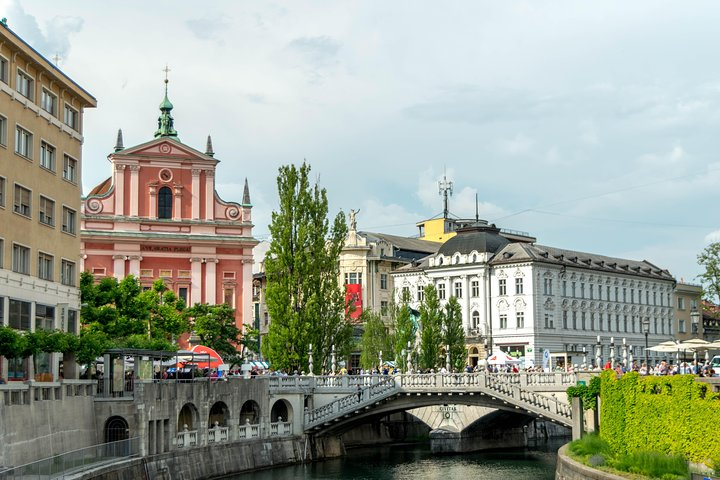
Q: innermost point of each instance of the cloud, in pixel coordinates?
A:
(674, 157)
(713, 237)
(208, 28)
(315, 55)
(55, 40)
(518, 145)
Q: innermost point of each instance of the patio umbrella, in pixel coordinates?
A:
(694, 344)
(668, 346)
(500, 358)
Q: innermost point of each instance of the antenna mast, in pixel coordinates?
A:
(445, 187)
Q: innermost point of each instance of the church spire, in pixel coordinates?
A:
(165, 120)
(119, 142)
(208, 148)
(246, 194)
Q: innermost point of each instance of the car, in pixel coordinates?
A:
(715, 362)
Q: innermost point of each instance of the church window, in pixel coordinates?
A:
(165, 203)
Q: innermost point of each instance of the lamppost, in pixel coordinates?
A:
(646, 329)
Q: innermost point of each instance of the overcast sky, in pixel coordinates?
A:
(592, 125)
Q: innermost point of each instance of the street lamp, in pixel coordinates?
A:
(695, 320)
(646, 329)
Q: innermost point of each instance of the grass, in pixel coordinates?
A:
(595, 452)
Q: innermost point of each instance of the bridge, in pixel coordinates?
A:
(341, 402)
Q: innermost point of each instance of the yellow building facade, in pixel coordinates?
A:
(41, 111)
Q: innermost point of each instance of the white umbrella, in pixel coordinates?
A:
(668, 346)
(500, 358)
(694, 344)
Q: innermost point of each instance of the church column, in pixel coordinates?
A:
(196, 193)
(134, 189)
(465, 304)
(210, 281)
(209, 194)
(152, 207)
(485, 298)
(196, 281)
(135, 265)
(119, 189)
(177, 202)
(119, 266)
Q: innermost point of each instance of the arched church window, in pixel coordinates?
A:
(165, 203)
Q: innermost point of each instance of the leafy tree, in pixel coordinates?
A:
(215, 325)
(454, 334)
(404, 329)
(431, 320)
(304, 300)
(166, 317)
(710, 260)
(374, 340)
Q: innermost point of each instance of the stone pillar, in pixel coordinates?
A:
(209, 194)
(135, 265)
(119, 266)
(578, 421)
(210, 281)
(196, 281)
(196, 193)
(177, 201)
(152, 206)
(119, 183)
(246, 293)
(134, 189)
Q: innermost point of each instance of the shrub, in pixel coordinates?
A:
(653, 465)
(590, 444)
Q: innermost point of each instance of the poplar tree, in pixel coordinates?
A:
(304, 299)
(454, 334)
(431, 320)
(374, 340)
(709, 258)
(404, 329)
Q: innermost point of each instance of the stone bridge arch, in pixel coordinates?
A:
(219, 414)
(281, 409)
(250, 413)
(188, 418)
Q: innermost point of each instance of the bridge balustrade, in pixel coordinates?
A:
(280, 429)
(248, 431)
(218, 434)
(187, 438)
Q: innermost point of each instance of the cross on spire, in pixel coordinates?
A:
(166, 70)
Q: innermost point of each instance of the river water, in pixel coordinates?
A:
(413, 462)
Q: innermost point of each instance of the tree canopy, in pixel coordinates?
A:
(431, 320)
(454, 334)
(375, 339)
(404, 328)
(709, 258)
(304, 300)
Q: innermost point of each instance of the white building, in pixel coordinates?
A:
(525, 297)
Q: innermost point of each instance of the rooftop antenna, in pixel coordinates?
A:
(445, 187)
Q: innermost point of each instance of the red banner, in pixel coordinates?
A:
(353, 296)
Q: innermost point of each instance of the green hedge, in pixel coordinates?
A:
(673, 415)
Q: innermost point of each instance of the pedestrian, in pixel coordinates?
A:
(359, 393)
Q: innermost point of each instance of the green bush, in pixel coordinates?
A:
(587, 393)
(589, 444)
(672, 414)
(653, 465)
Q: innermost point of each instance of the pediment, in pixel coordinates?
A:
(166, 148)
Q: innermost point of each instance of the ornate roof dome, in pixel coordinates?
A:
(479, 238)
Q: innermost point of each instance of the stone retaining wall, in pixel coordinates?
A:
(569, 469)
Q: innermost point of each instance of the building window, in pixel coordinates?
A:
(599, 292)
(503, 321)
(624, 295)
(146, 272)
(23, 142)
(582, 290)
(72, 321)
(600, 321)
(165, 203)
(165, 273)
(71, 117)
(421, 293)
(183, 293)
(475, 320)
(574, 320)
(441, 291)
(24, 84)
(681, 303)
(19, 314)
(564, 288)
(573, 289)
(3, 70)
(458, 289)
(2, 265)
(591, 289)
(565, 319)
(549, 321)
(67, 273)
(547, 286)
(405, 292)
(617, 324)
(632, 295)
(383, 307)
(70, 169)
(520, 318)
(21, 259)
(47, 156)
(229, 297)
(383, 281)
(694, 304)
(502, 287)
(47, 211)
(44, 317)
(592, 320)
(518, 286)
(69, 220)
(475, 288)
(582, 319)
(48, 102)
(3, 130)
(2, 191)
(22, 201)
(353, 278)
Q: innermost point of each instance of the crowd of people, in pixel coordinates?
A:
(664, 368)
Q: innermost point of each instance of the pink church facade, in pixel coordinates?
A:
(159, 217)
